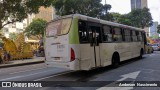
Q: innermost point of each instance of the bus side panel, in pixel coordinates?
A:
(106, 51)
(74, 44)
(86, 60)
(124, 50)
(75, 65)
(73, 34)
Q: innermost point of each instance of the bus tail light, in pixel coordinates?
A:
(72, 55)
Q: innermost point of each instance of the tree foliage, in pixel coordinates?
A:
(125, 19)
(93, 8)
(36, 27)
(16, 10)
(113, 16)
(138, 18)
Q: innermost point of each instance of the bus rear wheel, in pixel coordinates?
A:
(115, 61)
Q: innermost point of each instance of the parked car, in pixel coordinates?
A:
(156, 47)
(149, 48)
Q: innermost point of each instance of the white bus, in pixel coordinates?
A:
(79, 42)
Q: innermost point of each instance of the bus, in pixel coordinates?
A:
(78, 42)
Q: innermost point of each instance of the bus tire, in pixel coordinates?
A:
(141, 54)
(115, 60)
(152, 51)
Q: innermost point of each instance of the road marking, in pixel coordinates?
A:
(45, 88)
(54, 75)
(23, 76)
(27, 70)
(116, 88)
(132, 75)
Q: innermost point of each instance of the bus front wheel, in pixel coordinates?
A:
(141, 54)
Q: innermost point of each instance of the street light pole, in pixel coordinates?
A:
(105, 2)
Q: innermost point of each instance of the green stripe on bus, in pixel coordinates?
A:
(73, 34)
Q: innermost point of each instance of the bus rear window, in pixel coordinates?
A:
(58, 27)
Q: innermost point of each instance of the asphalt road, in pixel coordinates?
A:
(146, 69)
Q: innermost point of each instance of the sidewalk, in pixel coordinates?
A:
(12, 63)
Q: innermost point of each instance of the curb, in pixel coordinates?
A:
(21, 64)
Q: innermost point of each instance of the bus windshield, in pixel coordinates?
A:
(59, 27)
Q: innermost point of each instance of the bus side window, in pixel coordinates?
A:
(127, 35)
(123, 35)
(117, 34)
(107, 34)
(134, 36)
(139, 36)
(83, 35)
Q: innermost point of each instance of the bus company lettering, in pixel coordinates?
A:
(60, 46)
(14, 84)
(34, 85)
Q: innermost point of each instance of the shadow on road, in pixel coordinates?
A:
(84, 76)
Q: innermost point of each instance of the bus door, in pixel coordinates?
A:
(94, 39)
(89, 36)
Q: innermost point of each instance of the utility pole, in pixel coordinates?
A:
(105, 2)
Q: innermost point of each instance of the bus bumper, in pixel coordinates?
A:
(68, 65)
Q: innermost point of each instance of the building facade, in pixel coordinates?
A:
(138, 4)
(153, 31)
(46, 13)
(16, 27)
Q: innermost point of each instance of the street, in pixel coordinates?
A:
(146, 69)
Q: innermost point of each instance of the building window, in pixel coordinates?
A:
(5, 30)
(24, 25)
(14, 25)
(19, 30)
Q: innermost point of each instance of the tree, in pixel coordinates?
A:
(16, 10)
(111, 17)
(115, 16)
(138, 18)
(93, 8)
(36, 27)
(13, 36)
(141, 18)
(125, 19)
(158, 27)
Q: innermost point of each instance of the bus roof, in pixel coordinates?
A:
(87, 18)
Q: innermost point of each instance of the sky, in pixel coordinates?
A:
(124, 6)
